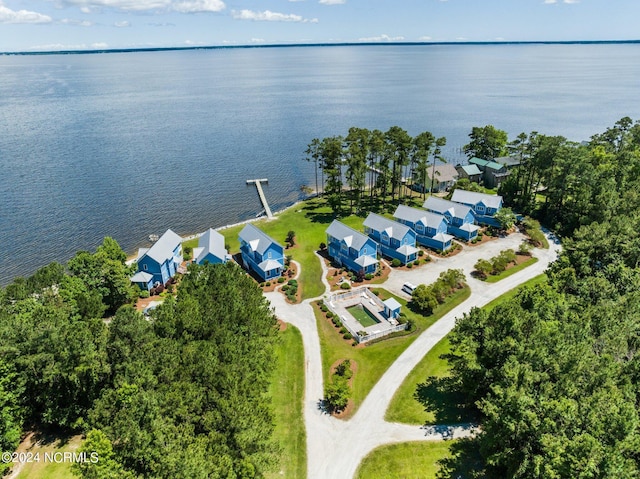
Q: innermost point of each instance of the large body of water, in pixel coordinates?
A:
(130, 144)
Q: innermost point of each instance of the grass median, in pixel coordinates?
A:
(374, 359)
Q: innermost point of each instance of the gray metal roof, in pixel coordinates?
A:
(415, 215)
(471, 169)
(162, 249)
(473, 198)
(141, 277)
(443, 173)
(438, 205)
(211, 242)
(257, 239)
(351, 237)
(392, 304)
(380, 223)
(508, 161)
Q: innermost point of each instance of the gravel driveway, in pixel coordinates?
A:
(335, 447)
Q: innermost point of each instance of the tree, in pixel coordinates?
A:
(487, 142)
(100, 462)
(313, 154)
(483, 267)
(424, 299)
(422, 147)
(331, 153)
(357, 152)
(336, 394)
(290, 240)
(437, 156)
(506, 217)
(399, 147)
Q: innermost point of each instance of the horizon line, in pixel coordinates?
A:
(322, 44)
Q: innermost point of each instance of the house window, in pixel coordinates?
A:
(144, 267)
(269, 254)
(420, 228)
(480, 208)
(364, 251)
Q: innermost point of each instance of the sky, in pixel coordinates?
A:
(50, 25)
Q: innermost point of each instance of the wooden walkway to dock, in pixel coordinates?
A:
(263, 199)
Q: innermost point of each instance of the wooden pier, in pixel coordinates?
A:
(258, 182)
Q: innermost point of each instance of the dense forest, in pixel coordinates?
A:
(182, 395)
(554, 374)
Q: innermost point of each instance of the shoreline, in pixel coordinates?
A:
(131, 258)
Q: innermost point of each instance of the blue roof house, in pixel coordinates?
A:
(161, 261)
(484, 206)
(460, 218)
(352, 249)
(261, 253)
(210, 248)
(396, 240)
(430, 228)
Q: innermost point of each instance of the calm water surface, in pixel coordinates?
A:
(130, 144)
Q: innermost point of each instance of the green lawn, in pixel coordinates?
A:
(51, 469)
(373, 360)
(308, 220)
(361, 316)
(407, 403)
(407, 460)
(506, 273)
(287, 391)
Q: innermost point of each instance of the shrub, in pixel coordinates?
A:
(411, 325)
(336, 394)
(354, 278)
(420, 253)
(336, 321)
(144, 293)
(524, 248)
(324, 308)
(396, 262)
(323, 246)
(345, 286)
(329, 314)
(368, 276)
(409, 265)
(267, 284)
(281, 280)
(292, 282)
(344, 369)
(376, 292)
(262, 284)
(343, 330)
(159, 289)
(320, 303)
(347, 336)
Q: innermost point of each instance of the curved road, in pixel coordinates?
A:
(335, 447)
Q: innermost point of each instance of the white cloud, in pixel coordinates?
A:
(196, 6)
(551, 2)
(78, 23)
(257, 40)
(382, 38)
(21, 16)
(123, 24)
(332, 2)
(182, 6)
(269, 16)
(63, 47)
(425, 38)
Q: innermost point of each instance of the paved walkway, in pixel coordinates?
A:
(335, 448)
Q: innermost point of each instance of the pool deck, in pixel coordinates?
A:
(340, 302)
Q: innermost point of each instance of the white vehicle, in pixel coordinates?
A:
(408, 288)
